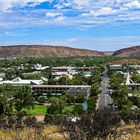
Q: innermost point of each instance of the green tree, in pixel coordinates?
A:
(120, 97)
(51, 81)
(6, 97)
(57, 105)
(115, 83)
(64, 80)
(78, 79)
(135, 77)
(95, 89)
(81, 98)
(78, 109)
(92, 104)
(23, 98)
(71, 99)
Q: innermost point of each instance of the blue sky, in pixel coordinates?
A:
(90, 24)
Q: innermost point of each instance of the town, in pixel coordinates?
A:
(67, 87)
(97, 86)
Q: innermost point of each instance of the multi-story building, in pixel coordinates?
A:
(74, 90)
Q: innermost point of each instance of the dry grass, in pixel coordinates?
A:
(52, 133)
(129, 132)
(47, 133)
(136, 137)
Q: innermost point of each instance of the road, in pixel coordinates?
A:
(104, 98)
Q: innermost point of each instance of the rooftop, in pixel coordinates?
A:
(78, 90)
(65, 86)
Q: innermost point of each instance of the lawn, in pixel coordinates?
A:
(69, 108)
(37, 110)
(41, 110)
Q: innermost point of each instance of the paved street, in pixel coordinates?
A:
(104, 98)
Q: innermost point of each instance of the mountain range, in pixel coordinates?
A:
(61, 51)
(45, 50)
(127, 52)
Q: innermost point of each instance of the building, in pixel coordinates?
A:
(116, 67)
(59, 71)
(130, 84)
(2, 76)
(38, 89)
(74, 91)
(136, 67)
(40, 67)
(46, 90)
(19, 81)
(29, 74)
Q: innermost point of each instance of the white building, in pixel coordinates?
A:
(116, 67)
(67, 70)
(19, 81)
(40, 67)
(136, 67)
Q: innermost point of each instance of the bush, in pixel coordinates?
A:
(78, 109)
(92, 103)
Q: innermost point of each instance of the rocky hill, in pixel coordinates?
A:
(45, 50)
(127, 52)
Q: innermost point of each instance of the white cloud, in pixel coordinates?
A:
(81, 3)
(78, 13)
(55, 17)
(106, 11)
(133, 4)
(13, 34)
(8, 4)
(72, 40)
(60, 18)
(52, 14)
(102, 12)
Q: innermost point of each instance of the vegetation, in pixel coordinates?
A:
(128, 105)
(57, 105)
(66, 113)
(14, 99)
(36, 110)
(50, 132)
(135, 77)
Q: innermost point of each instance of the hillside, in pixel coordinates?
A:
(125, 61)
(45, 50)
(127, 52)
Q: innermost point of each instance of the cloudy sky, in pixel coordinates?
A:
(90, 24)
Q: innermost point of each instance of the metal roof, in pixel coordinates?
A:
(78, 90)
(61, 86)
